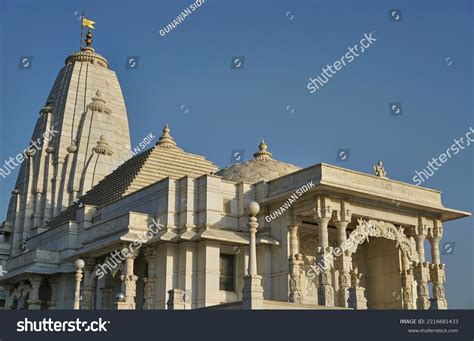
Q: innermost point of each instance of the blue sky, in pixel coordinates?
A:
(423, 62)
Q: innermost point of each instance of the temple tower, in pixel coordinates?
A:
(81, 131)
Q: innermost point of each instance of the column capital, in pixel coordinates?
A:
(322, 210)
(341, 223)
(150, 254)
(132, 254)
(343, 216)
(35, 280)
(89, 263)
(294, 221)
(421, 229)
(437, 231)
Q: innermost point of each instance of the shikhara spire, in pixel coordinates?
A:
(87, 109)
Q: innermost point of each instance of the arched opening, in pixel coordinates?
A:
(380, 262)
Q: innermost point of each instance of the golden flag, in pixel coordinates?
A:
(88, 23)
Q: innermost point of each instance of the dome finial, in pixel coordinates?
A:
(166, 140)
(88, 39)
(263, 153)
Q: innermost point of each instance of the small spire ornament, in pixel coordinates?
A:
(263, 153)
(166, 140)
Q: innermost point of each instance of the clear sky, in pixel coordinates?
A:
(423, 61)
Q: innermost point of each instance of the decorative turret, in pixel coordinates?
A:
(102, 147)
(98, 103)
(166, 140)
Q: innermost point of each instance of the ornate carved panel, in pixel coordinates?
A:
(374, 228)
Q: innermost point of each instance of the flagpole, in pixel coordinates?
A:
(82, 29)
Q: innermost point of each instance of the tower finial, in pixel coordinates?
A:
(88, 38)
(90, 26)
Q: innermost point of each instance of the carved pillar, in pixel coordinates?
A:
(437, 269)
(34, 303)
(295, 261)
(252, 293)
(79, 264)
(150, 257)
(434, 236)
(53, 283)
(422, 272)
(322, 215)
(343, 262)
(437, 273)
(129, 283)
(357, 298)
(420, 232)
(406, 275)
(88, 290)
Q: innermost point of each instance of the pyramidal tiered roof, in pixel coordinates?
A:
(163, 160)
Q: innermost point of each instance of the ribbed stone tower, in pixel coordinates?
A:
(86, 121)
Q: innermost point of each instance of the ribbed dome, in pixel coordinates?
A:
(261, 168)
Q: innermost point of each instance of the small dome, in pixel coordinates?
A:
(261, 168)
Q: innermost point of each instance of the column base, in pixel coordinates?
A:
(252, 293)
(438, 304)
(34, 304)
(176, 299)
(357, 298)
(124, 306)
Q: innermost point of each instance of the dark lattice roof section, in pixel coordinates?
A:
(165, 159)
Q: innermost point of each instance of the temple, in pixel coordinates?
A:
(168, 229)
